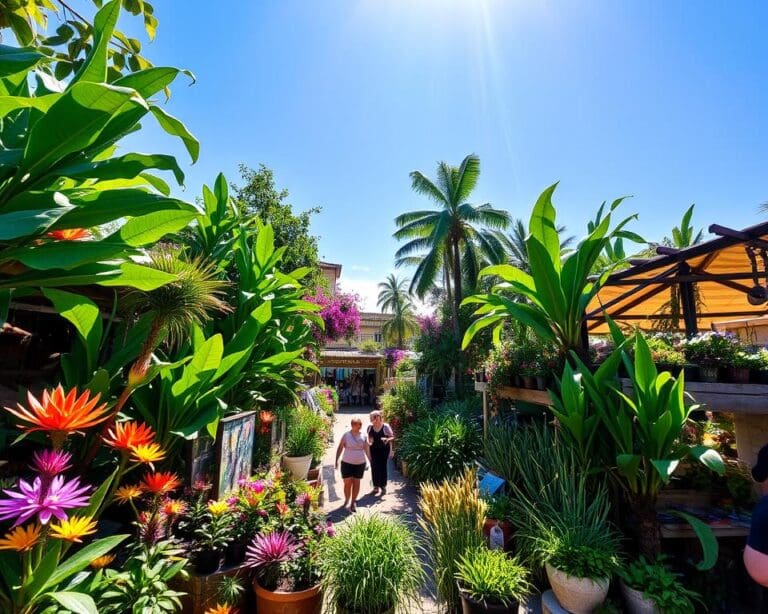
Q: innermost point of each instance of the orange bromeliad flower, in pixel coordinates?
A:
(70, 234)
(222, 608)
(102, 561)
(124, 494)
(21, 539)
(126, 435)
(171, 507)
(147, 453)
(160, 483)
(74, 528)
(60, 414)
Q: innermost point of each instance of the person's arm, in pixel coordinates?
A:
(390, 440)
(339, 450)
(368, 452)
(370, 437)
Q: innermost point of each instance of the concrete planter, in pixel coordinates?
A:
(636, 603)
(577, 595)
(298, 466)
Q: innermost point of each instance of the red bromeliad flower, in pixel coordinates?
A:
(50, 463)
(161, 482)
(70, 234)
(60, 414)
(125, 436)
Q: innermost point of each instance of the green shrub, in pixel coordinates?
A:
(500, 508)
(439, 447)
(371, 565)
(469, 409)
(566, 553)
(451, 517)
(307, 434)
(491, 577)
(370, 346)
(660, 585)
(406, 365)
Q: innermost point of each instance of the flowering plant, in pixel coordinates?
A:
(393, 357)
(340, 314)
(711, 348)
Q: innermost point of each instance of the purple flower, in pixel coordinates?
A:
(45, 502)
(330, 531)
(302, 499)
(270, 549)
(340, 314)
(51, 462)
(257, 486)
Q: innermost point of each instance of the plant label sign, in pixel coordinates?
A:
(491, 484)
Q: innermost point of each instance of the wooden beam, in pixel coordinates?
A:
(664, 250)
(640, 285)
(739, 235)
(688, 301)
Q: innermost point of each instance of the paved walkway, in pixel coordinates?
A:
(401, 498)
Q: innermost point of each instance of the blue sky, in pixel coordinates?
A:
(664, 101)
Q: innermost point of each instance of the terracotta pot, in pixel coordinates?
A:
(577, 595)
(309, 601)
(738, 375)
(470, 606)
(298, 466)
(709, 373)
(635, 601)
(342, 610)
(506, 529)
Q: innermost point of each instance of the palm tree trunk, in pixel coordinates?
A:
(456, 287)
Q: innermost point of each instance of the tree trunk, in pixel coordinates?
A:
(648, 528)
(457, 297)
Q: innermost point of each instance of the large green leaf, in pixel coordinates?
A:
(151, 227)
(9, 104)
(72, 123)
(134, 275)
(14, 60)
(77, 603)
(66, 254)
(175, 127)
(709, 545)
(84, 315)
(82, 558)
(709, 458)
(149, 81)
(19, 224)
(94, 67)
(542, 225)
(123, 167)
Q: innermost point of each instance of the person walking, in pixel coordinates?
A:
(381, 441)
(353, 450)
(756, 550)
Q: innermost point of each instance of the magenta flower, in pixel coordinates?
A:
(45, 502)
(271, 549)
(50, 463)
(330, 531)
(302, 499)
(340, 314)
(257, 486)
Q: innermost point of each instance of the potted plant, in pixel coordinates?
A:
(710, 351)
(665, 356)
(739, 366)
(651, 588)
(497, 526)
(760, 367)
(303, 443)
(212, 538)
(580, 574)
(371, 567)
(491, 582)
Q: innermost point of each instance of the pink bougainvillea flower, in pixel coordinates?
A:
(271, 548)
(50, 463)
(35, 499)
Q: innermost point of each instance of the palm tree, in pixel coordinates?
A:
(394, 298)
(455, 228)
(516, 252)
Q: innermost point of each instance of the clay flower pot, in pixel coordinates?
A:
(309, 601)
(635, 601)
(470, 606)
(577, 595)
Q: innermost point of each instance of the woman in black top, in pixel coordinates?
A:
(381, 442)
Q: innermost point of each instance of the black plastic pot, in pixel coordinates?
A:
(234, 554)
(761, 377)
(207, 562)
(691, 373)
(470, 606)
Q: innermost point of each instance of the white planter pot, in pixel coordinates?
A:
(577, 595)
(298, 466)
(636, 602)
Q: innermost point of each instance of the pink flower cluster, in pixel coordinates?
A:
(341, 316)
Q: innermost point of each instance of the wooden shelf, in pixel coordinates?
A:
(686, 532)
(540, 397)
(737, 398)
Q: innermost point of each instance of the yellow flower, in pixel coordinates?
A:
(217, 508)
(102, 561)
(124, 494)
(171, 507)
(21, 539)
(220, 608)
(74, 528)
(147, 453)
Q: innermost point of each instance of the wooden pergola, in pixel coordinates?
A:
(726, 277)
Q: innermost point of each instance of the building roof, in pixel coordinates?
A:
(723, 270)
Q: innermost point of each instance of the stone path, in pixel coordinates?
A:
(401, 498)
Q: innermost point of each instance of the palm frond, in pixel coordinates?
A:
(421, 184)
(467, 176)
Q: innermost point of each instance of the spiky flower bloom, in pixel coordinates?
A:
(102, 561)
(222, 608)
(147, 453)
(217, 508)
(125, 494)
(59, 413)
(151, 528)
(271, 549)
(125, 436)
(21, 539)
(74, 528)
(70, 234)
(50, 463)
(160, 483)
(36, 499)
(172, 507)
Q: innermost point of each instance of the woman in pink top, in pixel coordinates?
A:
(354, 452)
